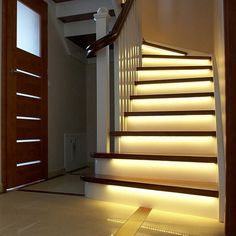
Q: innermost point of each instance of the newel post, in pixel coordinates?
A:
(103, 85)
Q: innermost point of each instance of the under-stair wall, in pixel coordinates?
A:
(67, 86)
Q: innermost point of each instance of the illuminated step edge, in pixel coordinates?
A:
(176, 88)
(119, 181)
(127, 156)
(155, 60)
(186, 57)
(173, 104)
(154, 68)
(168, 74)
(170, 113)
(196, 205)
(149, 48)
(173, 95)
(158, 51)
(168, 145)
(177, 80)
(163, 133)
(185, 174)
(171, 123)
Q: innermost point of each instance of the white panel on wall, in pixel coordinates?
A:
(74, 151)
(28, 29)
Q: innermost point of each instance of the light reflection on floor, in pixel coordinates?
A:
(27, 213)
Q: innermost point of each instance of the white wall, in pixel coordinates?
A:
(91, 108)
(67, 95)
(181, 23)
(220, 56)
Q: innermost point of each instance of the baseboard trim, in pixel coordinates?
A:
(56, 173)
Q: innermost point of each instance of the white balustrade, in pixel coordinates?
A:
(127, 57)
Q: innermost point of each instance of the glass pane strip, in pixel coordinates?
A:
(28, 29)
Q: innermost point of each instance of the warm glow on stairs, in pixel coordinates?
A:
(166, 156)
(175, 62)
(171, 74)
(170, 104)
(169, 88)
(171, 123)
(146, 49)
(168, 145)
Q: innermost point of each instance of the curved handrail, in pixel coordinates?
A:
(113, 35)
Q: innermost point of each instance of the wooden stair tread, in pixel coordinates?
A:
(177, 186)
(162, 133)
(175, 57)
(174, 80)
(171, 95)
(148, 68)
(170, 113)
(81, 17)
(204, 159)
(163, 47)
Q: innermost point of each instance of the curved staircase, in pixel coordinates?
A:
(167, 155)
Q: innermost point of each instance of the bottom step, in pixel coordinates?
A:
(164, 198)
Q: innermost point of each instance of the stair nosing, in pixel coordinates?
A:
(176, 57)
(148, 68)
(163, 133)
(150, 186)
(178, 95)
(169, 113)
(185, 80)
(118, 156)
(164, 47)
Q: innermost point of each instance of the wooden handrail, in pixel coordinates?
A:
(113, 35)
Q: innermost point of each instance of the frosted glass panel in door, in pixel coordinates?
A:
(28, 29)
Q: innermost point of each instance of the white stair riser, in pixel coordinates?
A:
(171, 123)
(158, 51)
(175, 62)
(173, 104)
(173, 74)
(187, 171)
(163, 201)
(168, 145)
(169, 88)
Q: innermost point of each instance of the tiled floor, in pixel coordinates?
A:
(43, 214)
(39, 214)
(70, 184)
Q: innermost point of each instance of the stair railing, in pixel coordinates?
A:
(126, 36)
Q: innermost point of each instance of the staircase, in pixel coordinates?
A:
(77, 19)
(167, 154)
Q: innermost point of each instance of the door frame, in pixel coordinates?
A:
(4, 97)
(230, 70)
(4, 91)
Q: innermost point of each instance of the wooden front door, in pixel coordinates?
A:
(25, 80)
